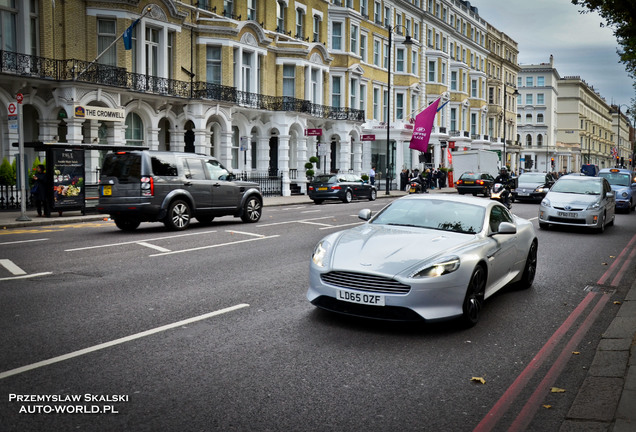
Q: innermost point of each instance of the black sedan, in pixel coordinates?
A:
(533, 186)
(342, 187)
(475, 183)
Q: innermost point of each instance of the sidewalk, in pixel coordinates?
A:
(605, 402)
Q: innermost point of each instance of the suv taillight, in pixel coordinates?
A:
(147, 186)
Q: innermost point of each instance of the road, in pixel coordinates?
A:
(209, 329)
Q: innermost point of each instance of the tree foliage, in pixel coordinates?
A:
(620, 16)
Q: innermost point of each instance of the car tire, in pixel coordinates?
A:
(601, 228)
(474, 299)
(373, 195)
(544, 226)
(179, 215)
(348, 197)
(318, 202)
(530, 269)
(487, 192)
(126, 224)
(252, 210)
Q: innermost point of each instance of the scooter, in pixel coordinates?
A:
(500, 192)
(415, 187)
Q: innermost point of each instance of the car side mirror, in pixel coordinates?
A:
(365, 214)
(507, 228)
(610, 194)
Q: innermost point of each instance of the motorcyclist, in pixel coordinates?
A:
(421, 179)
(504, 179)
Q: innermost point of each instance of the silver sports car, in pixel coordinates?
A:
(423, 258)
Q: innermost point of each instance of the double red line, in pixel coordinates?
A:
(530, 408)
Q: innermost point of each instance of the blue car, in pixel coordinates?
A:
(623, 184)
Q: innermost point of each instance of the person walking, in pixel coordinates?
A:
(372, 175)
(39, 192)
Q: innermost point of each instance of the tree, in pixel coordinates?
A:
(620, 15)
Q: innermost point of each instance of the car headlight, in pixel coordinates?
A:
(594, 206)
(438, 268)
(624, 194)
(545, 202)
(539, 190)
(320, 253)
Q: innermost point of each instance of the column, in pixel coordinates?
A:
(283, 162)
(262, 155)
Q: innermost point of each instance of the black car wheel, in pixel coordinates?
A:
(179, 215)
(318, 202)
(474, 300)
(126, 224)
(348, 197)
(601, 228)
(487, 192)
(252, 210)
(530, 270)
(373, 195)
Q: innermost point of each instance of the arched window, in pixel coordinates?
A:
(528, 118)
(539, 140)
(528, 140)
(539, 118)
(134, 130)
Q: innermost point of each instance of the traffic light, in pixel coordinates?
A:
(552, 162)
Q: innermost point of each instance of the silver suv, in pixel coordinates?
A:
(172, 187)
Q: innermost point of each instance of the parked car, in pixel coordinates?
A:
(581, 201)
(475, 183)
(623, 182)
(423, 257)
(342, 187)
(532, 186)
(172, 187)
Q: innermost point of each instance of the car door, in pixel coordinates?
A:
(360, 189)
(608, 200)
(196, 183)
(225, 193)
(503, 252)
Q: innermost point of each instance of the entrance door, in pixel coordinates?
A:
(273, 156)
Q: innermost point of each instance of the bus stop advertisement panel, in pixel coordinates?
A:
(65, 172)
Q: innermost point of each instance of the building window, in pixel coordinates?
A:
(353, 93)
(491, 95)
(336, 92)
(399, 106)
(431, 71)
(443, 69)
(228, 8)
(289, 80)
(354, 39)
(363, 47)
(8, 27)
(315, 94)
(453, 119)
(363, 98)
(364, 11)
(540, 81)
(377, 18)
(386, 56)
(376, 104)
(399, 60)
(106, 34)
(528, 140)
(134, 130)
(540, 99)
(213, 65)
(300, 23)
(473, 88)
(280, 16)
(251, 10)
(414, 67)
(317, 21)
(528, 118)
(387, 16)
(473, 124)
(529, 82)
(539, 118)
(453, 83)
(529, 99)
(376, 52)
(539, 141)
(171, 43)
(152, 51)
(429, 38)
(336, 36)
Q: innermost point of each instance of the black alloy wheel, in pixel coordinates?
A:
(474, 300)
(252, 210)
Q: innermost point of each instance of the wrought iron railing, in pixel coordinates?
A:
(95, 73)
(271, 183)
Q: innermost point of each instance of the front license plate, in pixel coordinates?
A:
(323, 188)
(522, 194)
(567, 214)
(107, 190)
(361, 298)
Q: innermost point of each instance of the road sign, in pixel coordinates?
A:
(12, 109)
(19, 98)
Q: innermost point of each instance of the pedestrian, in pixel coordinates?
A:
(404, 178)
(372, 175)
(39, 192)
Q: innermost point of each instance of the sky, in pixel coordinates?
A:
(580, 46)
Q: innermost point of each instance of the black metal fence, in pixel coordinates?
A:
(10, 198)
(271, 184)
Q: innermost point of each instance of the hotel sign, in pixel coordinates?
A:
(367, 138)
(99, 113)
(313, 132)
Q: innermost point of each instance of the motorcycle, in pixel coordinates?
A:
(501, 193)
(415, 187)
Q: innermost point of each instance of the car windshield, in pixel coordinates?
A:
(532, 178)
(618, 179)
(326, 179)
(577, 186)
(435, 214)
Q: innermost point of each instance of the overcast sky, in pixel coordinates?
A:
(579, 45)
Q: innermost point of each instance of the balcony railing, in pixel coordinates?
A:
(24, 65)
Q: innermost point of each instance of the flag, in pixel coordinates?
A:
(423, 126)
(128, 35)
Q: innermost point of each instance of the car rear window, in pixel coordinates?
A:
(470, 176)
(326, 179)
(126, 167)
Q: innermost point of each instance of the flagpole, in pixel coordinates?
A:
(148, 9)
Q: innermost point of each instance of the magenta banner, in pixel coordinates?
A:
(367, 138)
(422, 128)
(313, 132)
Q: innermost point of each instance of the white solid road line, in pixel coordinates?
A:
(137, 241)
(26, 276)
(14, 269)
(22, 241)
(212, 246)
(118, 341)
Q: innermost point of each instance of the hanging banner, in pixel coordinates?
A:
(423, 127)
(450, 156)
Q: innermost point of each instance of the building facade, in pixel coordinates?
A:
(262, 85)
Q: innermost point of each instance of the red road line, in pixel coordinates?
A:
(502, 405)
(623, 269)
(532, 405)
(615, 263)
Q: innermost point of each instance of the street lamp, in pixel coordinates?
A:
(618, 144)
(407, 41)
(515, 94)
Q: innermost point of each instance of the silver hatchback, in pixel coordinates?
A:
(579, 201)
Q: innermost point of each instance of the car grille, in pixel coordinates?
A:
(365, 282)
(567, 220)
(572, 209)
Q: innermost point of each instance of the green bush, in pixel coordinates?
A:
(7, 173)
(314, 159)
(309, 173)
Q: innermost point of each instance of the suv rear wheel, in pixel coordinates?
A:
(126, 224)
(179, 215)
(252, 210)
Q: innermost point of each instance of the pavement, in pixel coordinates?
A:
(606, 401)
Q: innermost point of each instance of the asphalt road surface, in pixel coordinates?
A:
(210, 329)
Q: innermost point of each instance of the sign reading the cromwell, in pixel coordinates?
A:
(99, 113)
